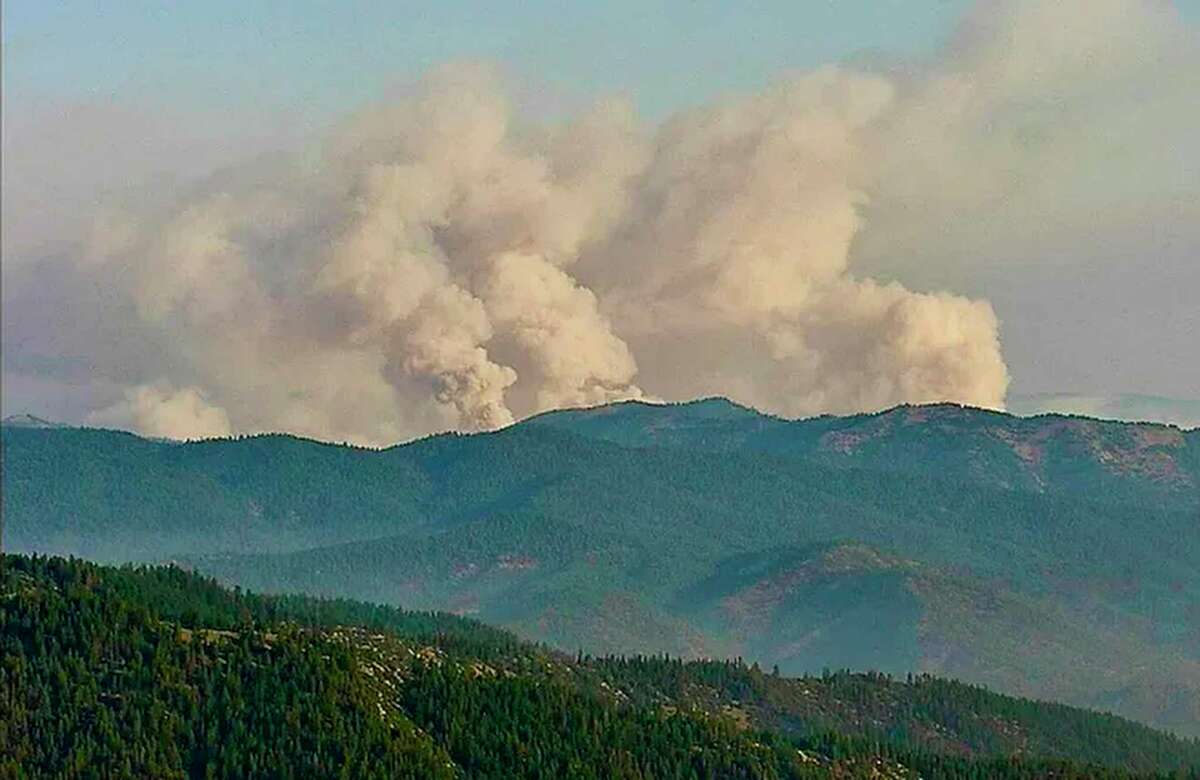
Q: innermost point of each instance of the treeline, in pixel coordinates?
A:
(193, 600)
(919, 711)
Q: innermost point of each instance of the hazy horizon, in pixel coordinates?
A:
(1180, 413)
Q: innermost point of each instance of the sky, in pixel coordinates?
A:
(985, 198)
(321, 58)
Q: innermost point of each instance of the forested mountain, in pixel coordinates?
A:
(1056, 557)
(1069, 455)
(158, 672)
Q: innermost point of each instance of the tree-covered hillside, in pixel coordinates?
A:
(1050, 453)
(157, 672)
(1052, 557)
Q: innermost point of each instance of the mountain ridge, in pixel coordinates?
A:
(28, 421)
(714, 402)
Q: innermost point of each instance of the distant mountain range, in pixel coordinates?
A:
(1055, 556)
(1131, 407)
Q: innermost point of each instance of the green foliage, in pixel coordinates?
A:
(924, 712)
(157, 672)
(95, 684)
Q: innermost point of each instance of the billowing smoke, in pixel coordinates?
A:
(166, 412)
(440, 262)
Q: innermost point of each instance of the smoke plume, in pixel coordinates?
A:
(166, 412)
(441, 262)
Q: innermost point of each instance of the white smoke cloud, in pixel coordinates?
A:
(160, 410)
(443, 341)
(568, 346)
(1067, 110)
(439, 262)
(733, 267)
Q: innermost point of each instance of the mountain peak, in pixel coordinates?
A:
(26, 420)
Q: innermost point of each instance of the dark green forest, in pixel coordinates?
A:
(159, 672)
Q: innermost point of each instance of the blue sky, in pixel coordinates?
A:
(319, 58)
(315, 59)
